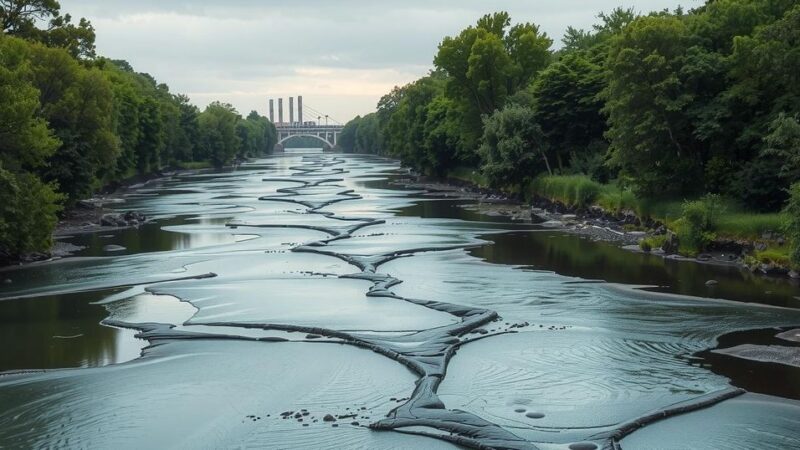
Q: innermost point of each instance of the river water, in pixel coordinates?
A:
(261, 300)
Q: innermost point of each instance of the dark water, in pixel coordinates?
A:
(262, 290)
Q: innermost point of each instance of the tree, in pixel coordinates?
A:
(486, 63)
(442, 140)
(25, 140)
(28, 214)
(513, 147)
(21, 17)
(567, 105)
(218, 139)
(650, 135)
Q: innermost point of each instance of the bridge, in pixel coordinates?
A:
(327, 134)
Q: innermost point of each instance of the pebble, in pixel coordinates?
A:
(712, 283)
(329, 418)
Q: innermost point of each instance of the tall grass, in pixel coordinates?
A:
(572, 190)
(581, 191)
(749, 225)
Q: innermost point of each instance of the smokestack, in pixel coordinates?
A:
(280, 110)
(300, 109)
(291, 110)
(272, 110)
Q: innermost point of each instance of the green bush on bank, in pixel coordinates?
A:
(28, 213)
(698, 223)
(652, 242)
(792, 227)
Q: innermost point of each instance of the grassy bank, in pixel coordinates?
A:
(580, 191)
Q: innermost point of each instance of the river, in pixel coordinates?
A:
(305, 301)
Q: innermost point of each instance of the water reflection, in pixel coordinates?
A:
(177, 233)
(577, 256)
(62, 331)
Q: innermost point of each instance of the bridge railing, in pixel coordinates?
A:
(287, 126)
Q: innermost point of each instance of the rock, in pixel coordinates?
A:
(329, 418)
(671, 244)
(637, 233)
(704, 257)
(794, 274)
(539, 215)
(760, 246)
(772, 269)
(661, 230)
(113, 248)
(712, 283)
(7, 281)
(569, 217)
(583, 446)
(85, 204)
(553, 224)
(109, 220)
(780, 241)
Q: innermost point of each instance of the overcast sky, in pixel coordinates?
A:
(340, 55)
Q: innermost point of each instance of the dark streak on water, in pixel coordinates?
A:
(61, 328)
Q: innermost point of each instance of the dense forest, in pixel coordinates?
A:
(700, 104)
(72, 122)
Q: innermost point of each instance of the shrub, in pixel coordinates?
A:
(698, 223)
(792, 211)
(651, 242)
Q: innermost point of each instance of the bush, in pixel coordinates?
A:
(698, 223)
(792, 211)
(28, 211)
(649, 243)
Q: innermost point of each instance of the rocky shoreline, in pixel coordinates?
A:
(624, 228)
(91, 215)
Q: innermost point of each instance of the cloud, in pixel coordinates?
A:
(340, 55)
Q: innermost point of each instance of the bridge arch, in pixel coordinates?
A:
(319, 138)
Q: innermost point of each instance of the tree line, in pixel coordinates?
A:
(72, 122)
(671, 104)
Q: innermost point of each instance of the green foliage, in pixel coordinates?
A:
(25, 140)
(743, 225)
(778, 257)
(218, 138)
(792, 211)
(652, 242)
(256, 135)
(567, 107)
(21, 18)
(70, 123)
(650, 134)
(513, 148)
(571, 190)
(699, 222)
(28, 211)
(486, 63)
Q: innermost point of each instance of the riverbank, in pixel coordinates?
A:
(99, 213)
(623, 227)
